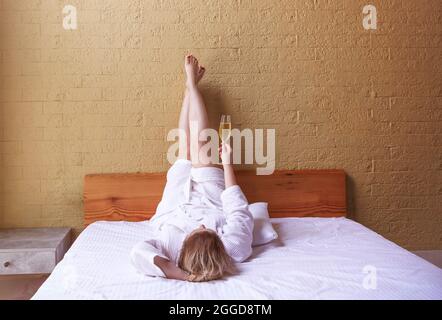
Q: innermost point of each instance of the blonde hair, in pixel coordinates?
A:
(204, 257)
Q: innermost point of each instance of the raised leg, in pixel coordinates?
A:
(197, 112)
(183, 123)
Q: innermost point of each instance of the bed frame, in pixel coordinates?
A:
(290, 193)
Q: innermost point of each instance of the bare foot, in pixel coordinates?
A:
(191, 68)
(200, 73)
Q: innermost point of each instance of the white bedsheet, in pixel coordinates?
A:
(314, 258)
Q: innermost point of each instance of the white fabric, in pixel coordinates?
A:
(263, 231)
(193, 197)
(142, 257)
(313, 258)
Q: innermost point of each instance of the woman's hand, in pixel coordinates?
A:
(225, 153)
(170, 270)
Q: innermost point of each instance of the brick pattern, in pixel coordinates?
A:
(102, 98)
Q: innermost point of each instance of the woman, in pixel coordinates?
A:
(202, 223)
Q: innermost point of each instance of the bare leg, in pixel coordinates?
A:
(183, 123)
(197, 112)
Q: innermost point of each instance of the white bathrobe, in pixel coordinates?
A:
(192, 197)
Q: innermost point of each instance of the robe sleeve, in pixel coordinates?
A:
(237, 233)
(142, 255)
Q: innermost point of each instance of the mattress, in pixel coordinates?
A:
(313, 258)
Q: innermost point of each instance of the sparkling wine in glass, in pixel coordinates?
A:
(225, 128)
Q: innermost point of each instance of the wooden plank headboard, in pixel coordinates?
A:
(290, 193)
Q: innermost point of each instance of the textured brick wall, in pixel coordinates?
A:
(101, 98)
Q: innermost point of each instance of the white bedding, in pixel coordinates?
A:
(314, 258)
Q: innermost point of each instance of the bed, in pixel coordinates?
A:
(320, 253)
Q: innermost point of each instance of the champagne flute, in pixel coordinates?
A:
(225, 128)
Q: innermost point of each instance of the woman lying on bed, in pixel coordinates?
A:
(202, 223)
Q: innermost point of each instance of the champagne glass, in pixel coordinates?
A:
(225, 128)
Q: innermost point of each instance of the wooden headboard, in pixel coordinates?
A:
(290, 193)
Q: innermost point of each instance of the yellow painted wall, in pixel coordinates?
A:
(101, 98)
